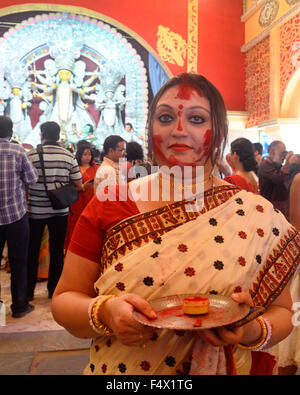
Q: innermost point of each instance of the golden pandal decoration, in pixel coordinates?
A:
(192, 54)
(171, 46)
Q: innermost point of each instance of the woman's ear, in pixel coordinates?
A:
(234, 158)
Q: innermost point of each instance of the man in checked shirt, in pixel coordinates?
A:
(16, 171)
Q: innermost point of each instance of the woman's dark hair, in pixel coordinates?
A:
(79, 153)
(134, 151)
(111, 142)
(244, 150)
(96, 152)
(217, 110)
(258, 147)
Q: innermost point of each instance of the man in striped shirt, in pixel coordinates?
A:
(60, 168)
(16, 171)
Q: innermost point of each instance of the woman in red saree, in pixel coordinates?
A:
(88, 169)
(244, 162)
(140, 242)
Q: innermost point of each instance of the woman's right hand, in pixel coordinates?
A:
(116, 313)
(87, 185)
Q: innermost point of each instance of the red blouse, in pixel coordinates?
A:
(98, 217)
(240, 181)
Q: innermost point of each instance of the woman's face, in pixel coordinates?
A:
(86, 157)
(182, 128)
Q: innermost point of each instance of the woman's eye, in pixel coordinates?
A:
(165, 118)
(196, 119)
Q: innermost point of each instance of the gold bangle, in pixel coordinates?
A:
(263, 338)
(96, 324)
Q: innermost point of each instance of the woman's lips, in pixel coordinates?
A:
(180, 147)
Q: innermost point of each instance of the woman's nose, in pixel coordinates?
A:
(179, 127)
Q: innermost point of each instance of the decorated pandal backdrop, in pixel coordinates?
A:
(92, 66)
(76, 71)
(95, 66)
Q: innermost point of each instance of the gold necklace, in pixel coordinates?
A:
(183, 186)
(210, 205)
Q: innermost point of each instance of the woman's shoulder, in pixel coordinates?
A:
(110, 205)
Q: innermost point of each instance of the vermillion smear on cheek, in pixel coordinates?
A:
(207, 139)
(157, 141)
(205, 147)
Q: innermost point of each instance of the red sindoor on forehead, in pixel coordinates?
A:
(185, 90)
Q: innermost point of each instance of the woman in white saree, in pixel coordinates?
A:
(129, 248)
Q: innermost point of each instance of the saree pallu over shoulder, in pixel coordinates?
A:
(134, 232)
(277, 270)
(237, 242)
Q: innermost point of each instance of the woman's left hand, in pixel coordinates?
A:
(223, 336)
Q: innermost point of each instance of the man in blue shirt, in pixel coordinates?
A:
(16, 171)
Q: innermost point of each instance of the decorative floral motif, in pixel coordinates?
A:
(219, 265)
(213, 222)
(120, 286)
(170, 361)
(260, 232)
(148, 281)
(260, 208)
(122, 367)
(154, 337)
(242, 261)
(219, 239)
(119, 267)
(171, 46)
(182, 248)
(258, 259)
(242, 234)
(158, 240)
(239, 201)
(145, 365)
(97, 348)
(258, 83)
(240, 212)
(104, 368)
(155, 255)
(268, 12)
(189, 271)
(275, 231)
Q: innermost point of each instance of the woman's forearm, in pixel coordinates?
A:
(280, 319)
(70, 310)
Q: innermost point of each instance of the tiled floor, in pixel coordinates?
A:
(36, 344)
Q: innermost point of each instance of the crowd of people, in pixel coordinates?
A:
(116, 248)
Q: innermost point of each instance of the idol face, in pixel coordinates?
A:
(182, 128)
(64, 75)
